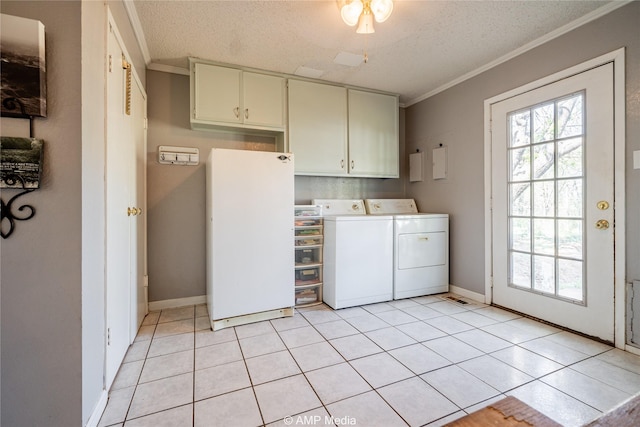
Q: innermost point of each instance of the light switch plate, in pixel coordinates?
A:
(636, 159)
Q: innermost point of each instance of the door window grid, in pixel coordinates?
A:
(546, 188)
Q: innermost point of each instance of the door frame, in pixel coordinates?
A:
(617, 57)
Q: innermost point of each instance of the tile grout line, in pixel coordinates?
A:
(326, 340)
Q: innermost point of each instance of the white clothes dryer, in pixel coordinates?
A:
(420, 247)
(358, 254)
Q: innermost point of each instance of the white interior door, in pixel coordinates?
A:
(552, 154)
(138, 138)
(118, 170)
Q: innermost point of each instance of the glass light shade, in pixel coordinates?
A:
(381, 9)
(350, 12)
(365, 24)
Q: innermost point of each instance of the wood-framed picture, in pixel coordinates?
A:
(23, 68)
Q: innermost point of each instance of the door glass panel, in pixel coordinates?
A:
(543, 123)
(520, 164)
(544, 274)
(544, 198)
(570, 116)
(520, 199)
(520, 127)
(544, 240)
(570, 198)
(521, 234)
(570, 238)
(546, 194)
(544, 160)
(520, 274)
(570, 158)
(570, 279)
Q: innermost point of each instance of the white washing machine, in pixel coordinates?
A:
(358, 254)
(420, 247)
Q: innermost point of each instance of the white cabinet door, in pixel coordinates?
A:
(217, 94)
(224, 97)
(263, 100)
(373, 134)
(318, 128)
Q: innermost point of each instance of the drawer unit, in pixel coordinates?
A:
(308, 244)
(308, 256)
(308, 295)
(308, 241)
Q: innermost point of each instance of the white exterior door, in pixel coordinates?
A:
(552, 156)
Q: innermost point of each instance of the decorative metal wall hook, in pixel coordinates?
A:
(11, 104)
(7, 210)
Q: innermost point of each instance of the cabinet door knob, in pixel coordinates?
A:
(236, 111)
(246, 113)
(342, 164)
(352, 165)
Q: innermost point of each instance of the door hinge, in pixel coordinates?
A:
(110, 63)
(108, 336)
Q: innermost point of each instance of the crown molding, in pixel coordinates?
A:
(137, 29)
(608, 8)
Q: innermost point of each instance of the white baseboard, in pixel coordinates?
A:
(94, 419)
(177, 302)
(466, 293)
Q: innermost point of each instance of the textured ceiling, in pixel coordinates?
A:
(422, 47)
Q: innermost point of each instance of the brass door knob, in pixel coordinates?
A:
(131, 211)
(603, 205)
(602, 224)
(138, 211)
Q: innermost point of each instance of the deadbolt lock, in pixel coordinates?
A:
(602, 224)
(603, 205)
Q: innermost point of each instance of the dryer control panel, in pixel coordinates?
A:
(391, 206)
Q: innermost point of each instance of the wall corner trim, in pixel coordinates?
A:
(94, 419)
(137, 29)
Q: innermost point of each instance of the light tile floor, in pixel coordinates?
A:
(419, 361)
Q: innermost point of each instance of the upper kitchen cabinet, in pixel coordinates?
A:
(223, 97)
(338, 132)
(318, 128)
(373, 135)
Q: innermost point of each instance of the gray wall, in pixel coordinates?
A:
(455, 118)
(176, 194)
(52, 268)
(41, 261)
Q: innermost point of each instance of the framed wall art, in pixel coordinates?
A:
(23, 70)
(20, 162)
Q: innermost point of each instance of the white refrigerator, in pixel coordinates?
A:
(250, 251)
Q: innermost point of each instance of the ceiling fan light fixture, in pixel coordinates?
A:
(381, 9)
(363, 12)
(365, 23)
(350, 11)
